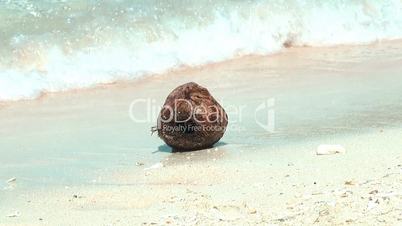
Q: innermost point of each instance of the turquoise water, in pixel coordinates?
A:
(59, 45)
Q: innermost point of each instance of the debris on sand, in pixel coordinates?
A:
(329, 149)
(252, 211)
(11, 180)
(350, 182)
(15, 214)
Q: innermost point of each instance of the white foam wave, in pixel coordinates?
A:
(258, 28)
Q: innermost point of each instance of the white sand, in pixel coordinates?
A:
(252, 178)
(291, 186)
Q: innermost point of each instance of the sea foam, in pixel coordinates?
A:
(59, 46)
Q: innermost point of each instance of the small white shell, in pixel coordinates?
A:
(155, 166)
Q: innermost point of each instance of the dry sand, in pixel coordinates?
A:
(360, 187)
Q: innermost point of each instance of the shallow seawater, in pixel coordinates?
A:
(320, 94)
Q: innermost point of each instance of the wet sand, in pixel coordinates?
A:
(78, 158)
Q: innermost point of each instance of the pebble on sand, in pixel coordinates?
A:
(11, 180)
(15, 214)
(253, 211)
(328, 149)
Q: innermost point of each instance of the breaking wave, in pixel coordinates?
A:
(59, 45)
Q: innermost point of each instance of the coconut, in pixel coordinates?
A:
(191, 119)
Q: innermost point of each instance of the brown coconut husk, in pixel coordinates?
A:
(191, 119)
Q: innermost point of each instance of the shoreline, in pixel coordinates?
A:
(78, 155)
(189, 69)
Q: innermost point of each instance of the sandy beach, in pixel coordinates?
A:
(78, 158)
